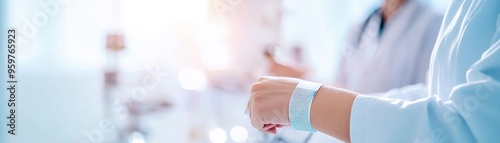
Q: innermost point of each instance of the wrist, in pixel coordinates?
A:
(300, 105)
(331, 111)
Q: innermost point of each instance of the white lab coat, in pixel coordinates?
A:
(401, 58)
(464, 87)
(397, 57)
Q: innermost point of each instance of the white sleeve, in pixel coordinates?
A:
(472, 113)
(409, 93)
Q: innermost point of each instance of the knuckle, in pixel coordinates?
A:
(263, 78)
(257, 86)
(254, 87)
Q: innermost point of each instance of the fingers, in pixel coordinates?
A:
(271, 128)
(271, 131)
(264, 112)
(279, 126)
(257, 125)
(268, 126)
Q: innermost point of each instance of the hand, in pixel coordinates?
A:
(330, 108)
(268, 104)
(288, 69)
(292, 70)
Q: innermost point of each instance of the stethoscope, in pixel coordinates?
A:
(365, 29)
(366, 44)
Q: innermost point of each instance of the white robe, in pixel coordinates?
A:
(464, 87)
(398, 57)
(403, 55)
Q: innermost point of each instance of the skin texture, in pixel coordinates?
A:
(289, 69)
(330, 109)
(390, 8)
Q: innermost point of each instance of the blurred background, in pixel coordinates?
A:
(151, 71)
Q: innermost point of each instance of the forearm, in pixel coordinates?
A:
(331, 112)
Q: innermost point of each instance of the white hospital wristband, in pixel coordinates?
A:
(300, 105)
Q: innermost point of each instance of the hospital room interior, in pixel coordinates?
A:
(180, 71)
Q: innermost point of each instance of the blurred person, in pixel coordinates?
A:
(462, 103)
(390, 49)
(393, 44)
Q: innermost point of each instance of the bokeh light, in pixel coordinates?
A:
(218, 135)
(136, 137)
(239, 134)
(192, 79)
